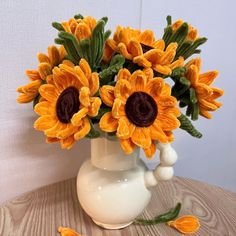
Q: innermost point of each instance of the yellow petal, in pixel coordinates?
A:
(155, 86)
(83, 129)
(194, 61)
(168, 122)
(95, 106)
(159, 44)
(207, 105)
(203, 91)
(141, 137)
(127, 145)
(125, 128)
(138, 81)
(177, 63)
(208, 77)
(167, 101)
(108, 123)
(85, 68)
(192, 75)
(53, 131)
(216, 93)
(107, 94)
(44, 108)
(45, 122)
(84, 96)
(52, 140)
(122, 89)
(135, 48)
(142, 61)
(123, 50)
(67, 143)
(67, 232)
(149, 73)
(150, 151)
(123, 74)
(94, 83)
(165, 70)
(54, 56)
(118, 108)
(33, 74)
(68, 131)
(153, 55)
(146, 37)
(25, 98)
(30, 88)
(82, 31)
(44, 70)
(205, 113)
(167, 57)
(49, 92)
(43, 58)
(186, 224)
(77, 117)
(157, 133)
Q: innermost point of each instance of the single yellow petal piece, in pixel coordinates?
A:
(85, 68)
(151, 150)
(94, 83)
(127, 145)
(33, 74)
(157, 133)
(68, 131)
(142, 61)
(123, 74)
(141, 137)
(54, 56)
(67, 232)
(67, 143)
(155, 86)
(135, 48)
(165, 70)
(83, 129)
(82, 31)
(45, 122)
(208, 77)
(95, 106)
(77, 117)
(138, 81)
(53, 131)
(122, 89)
(49, 92)
(118, 108)
(25, 98)
(159, 44)
(108, 123)
(168, 122)
(44, 70)
(107, 94)
(147, 37)
(84, 96)
(186, 224)
(43, 58)
(125, 128)
(123, 50)
(44, 108)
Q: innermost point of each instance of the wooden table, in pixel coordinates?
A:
(41, 212)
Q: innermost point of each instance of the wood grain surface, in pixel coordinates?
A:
(40, 212)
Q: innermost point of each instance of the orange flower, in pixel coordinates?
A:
(46, 63)
(186, 224)
(143, 110)
(143, 49)
(192, 32)
(206, 94)
(68, 100)
(81, 28)
(67, 232)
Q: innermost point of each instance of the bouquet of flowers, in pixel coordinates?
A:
(120, 83)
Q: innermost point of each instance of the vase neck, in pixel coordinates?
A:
(107, 154)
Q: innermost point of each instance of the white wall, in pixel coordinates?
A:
(26, 162)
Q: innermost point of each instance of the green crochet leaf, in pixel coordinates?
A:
(188, 126)
(78, 16)
(57, 26)
(93, 133)
(107, 74)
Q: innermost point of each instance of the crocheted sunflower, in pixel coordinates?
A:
(206, 95)
(143, 49)
(143, 110)
(46, 64)
(69, 99)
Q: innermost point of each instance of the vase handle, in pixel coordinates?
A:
(165, 170)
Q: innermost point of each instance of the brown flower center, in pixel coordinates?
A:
(67, 104)
(146, 47)
(141, 109)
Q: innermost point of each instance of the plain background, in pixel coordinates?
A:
(26, 162)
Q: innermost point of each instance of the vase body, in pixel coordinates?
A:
(111, 185)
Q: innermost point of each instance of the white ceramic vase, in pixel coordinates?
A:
(113, 188)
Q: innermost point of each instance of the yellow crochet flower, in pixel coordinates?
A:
(68, 100)
(206, 94)
(81, 28)
(143, 49)
(143, 110)
(46, 63)
(192, 32)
